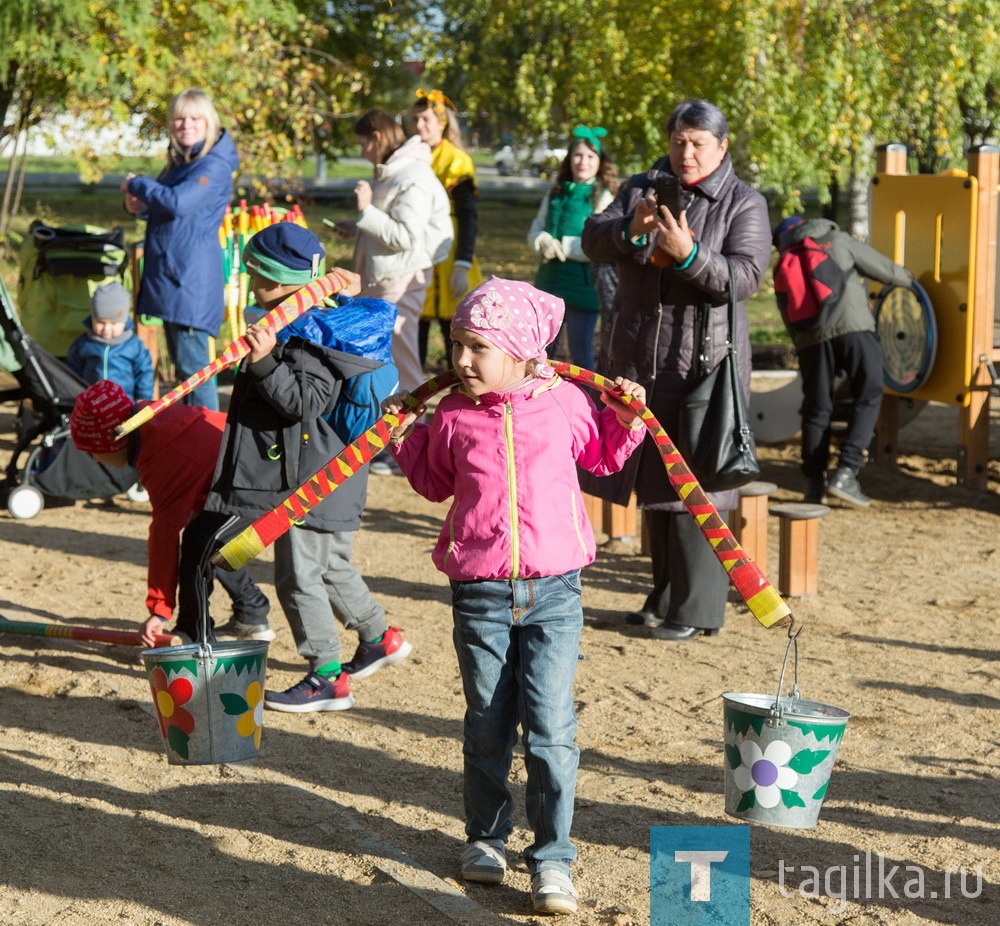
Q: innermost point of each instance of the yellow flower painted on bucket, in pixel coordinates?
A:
(168, 698)
(251, 722)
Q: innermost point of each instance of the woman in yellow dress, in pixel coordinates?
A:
(436, 122)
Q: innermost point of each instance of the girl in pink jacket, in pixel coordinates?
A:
(505, 446)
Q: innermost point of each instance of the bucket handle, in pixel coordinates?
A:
(205, 643)
(777, 712)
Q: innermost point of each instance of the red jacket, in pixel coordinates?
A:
(177, 453)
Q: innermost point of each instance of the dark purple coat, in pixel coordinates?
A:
(651, 335)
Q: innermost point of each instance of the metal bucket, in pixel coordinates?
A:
(780, 752)
(209, 700)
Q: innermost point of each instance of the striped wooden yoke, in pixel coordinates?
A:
(761, 598)
(300, 302)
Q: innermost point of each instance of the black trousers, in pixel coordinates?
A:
(690, 585)
(859, 356)
(424, 334)
(205, 533)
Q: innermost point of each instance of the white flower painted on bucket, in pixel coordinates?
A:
(765, 773)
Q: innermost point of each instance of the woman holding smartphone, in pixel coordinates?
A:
(672, 311)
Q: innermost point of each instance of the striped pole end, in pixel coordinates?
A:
(760, 596)
(136, 421)
(239, 551)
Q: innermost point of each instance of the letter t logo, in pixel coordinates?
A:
(701, 871)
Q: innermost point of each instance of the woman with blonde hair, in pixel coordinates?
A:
(435, 120)
(182, 280)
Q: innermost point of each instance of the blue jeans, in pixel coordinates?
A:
(517, 642)
(188, 349)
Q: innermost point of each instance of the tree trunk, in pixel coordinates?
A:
(831, 208)
(857, 190)
(22, 169)
(10, 199)
(7, 92)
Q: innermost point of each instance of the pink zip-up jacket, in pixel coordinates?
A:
(510, 460)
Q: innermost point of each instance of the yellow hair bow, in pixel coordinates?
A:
(439, 104)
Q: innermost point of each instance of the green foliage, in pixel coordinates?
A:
(372, 53)
(808, 85)
(107, 63)
(944, 63)
(252, 57)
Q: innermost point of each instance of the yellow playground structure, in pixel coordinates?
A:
(939, 338)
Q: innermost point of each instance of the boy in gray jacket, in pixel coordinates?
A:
(825, 307)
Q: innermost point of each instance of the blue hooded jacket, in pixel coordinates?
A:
(125, 361)
(182, 279)
(277, 429)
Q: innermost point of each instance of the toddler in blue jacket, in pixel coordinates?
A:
(110, 348)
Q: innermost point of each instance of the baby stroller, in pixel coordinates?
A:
(51, 468)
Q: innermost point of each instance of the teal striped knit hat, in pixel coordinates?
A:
(285, 253)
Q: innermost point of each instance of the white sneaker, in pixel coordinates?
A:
(485, 861)
(136, 493)
(384, 465)
(236, 630)
(552, 892)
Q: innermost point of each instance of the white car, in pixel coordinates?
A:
(506, 161)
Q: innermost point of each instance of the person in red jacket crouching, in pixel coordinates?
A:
(175, 454)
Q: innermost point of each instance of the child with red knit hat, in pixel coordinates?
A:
(175, 453)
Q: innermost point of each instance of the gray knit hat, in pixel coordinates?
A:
(111, 301)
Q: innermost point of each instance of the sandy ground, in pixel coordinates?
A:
(355, 818)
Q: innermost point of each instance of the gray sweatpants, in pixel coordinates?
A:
(316, 582)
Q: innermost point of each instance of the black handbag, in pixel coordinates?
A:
(714, 435)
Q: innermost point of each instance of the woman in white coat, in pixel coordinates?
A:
(403, 229)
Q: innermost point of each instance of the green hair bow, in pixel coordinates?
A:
(593, 135)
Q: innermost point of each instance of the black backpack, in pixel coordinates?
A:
(808, 283)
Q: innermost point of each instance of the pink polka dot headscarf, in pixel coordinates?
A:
(516, 317)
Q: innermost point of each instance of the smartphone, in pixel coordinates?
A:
(668, 193)
(342, 227)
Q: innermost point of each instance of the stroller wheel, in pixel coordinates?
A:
(136, 493)
(25, 502)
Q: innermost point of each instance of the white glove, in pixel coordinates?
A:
(549, 248)
(459, 281)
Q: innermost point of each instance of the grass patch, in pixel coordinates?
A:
(64, 164)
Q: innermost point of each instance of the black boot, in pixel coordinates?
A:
(845, 486)
(680, 632)
(643, 618)
(815, 493)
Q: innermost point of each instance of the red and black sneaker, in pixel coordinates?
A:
(314, 693)
(368, 658)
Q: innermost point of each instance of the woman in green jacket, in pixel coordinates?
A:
(585, 184)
